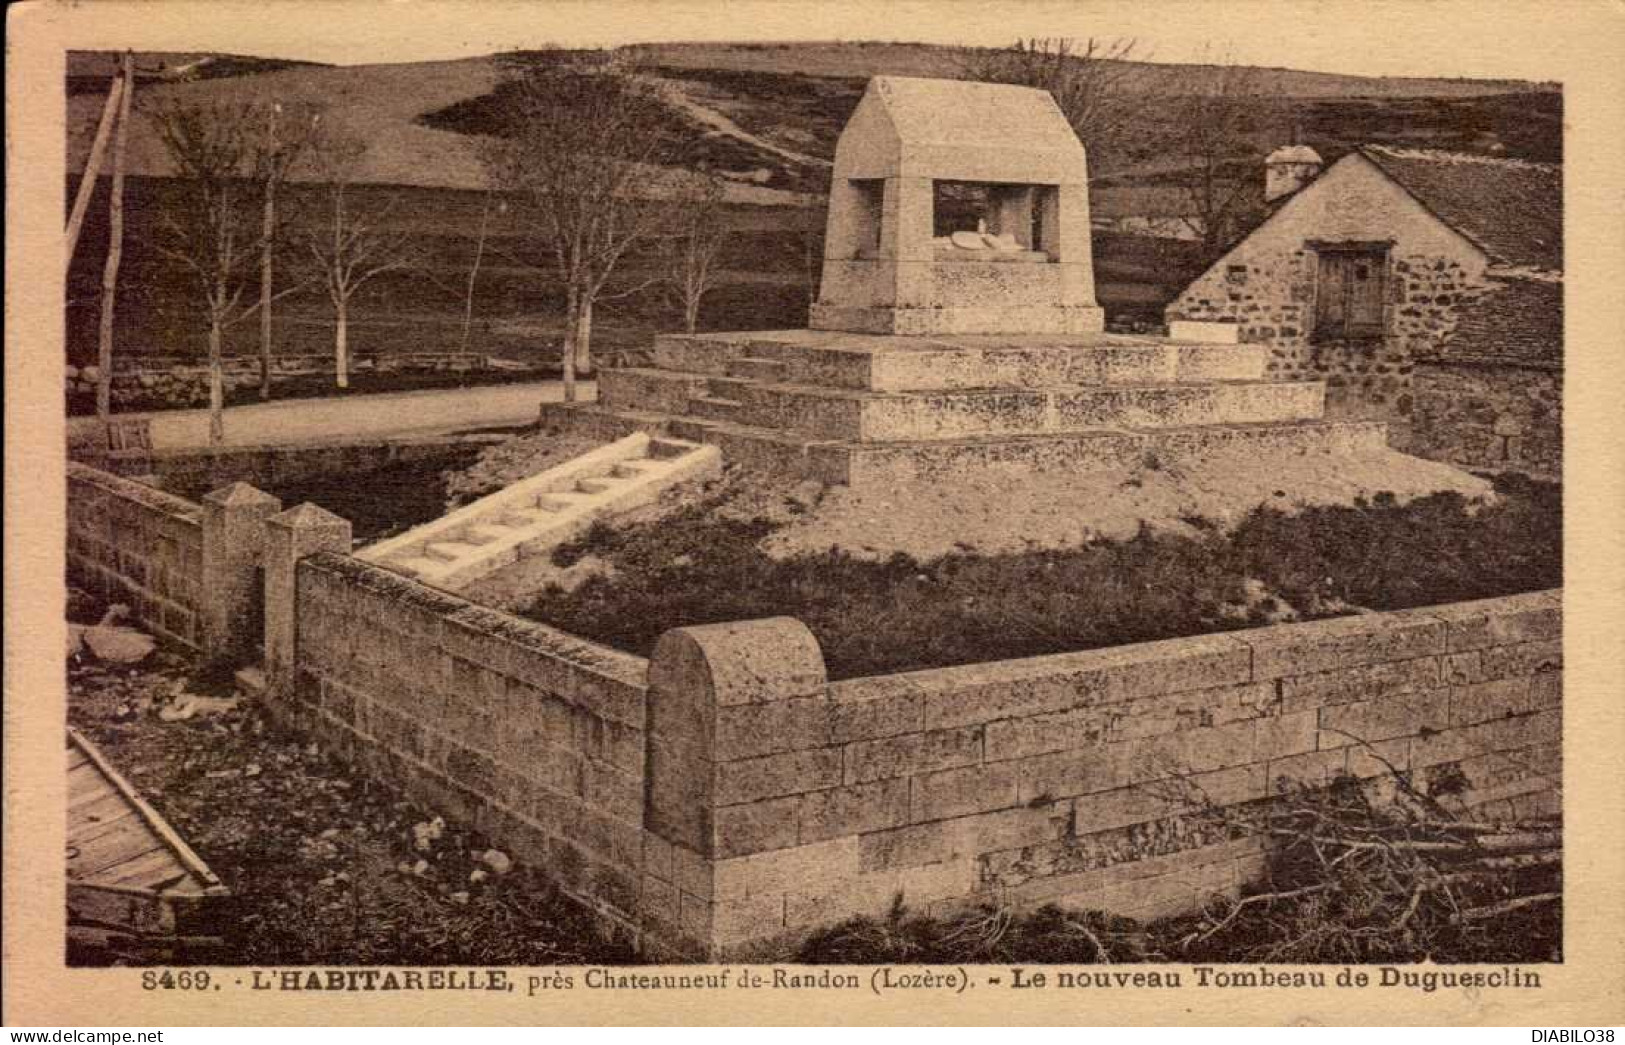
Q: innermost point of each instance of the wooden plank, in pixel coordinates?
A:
(183, 852)
(84, 780)
(153, 869)
(93, 858)
(84, 833)
(98, 810)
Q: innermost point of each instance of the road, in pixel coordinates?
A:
(355, 417)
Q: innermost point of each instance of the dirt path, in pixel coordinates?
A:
(718, 122)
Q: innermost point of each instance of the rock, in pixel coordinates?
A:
(498, 861)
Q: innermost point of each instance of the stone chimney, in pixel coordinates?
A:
(1288, 169)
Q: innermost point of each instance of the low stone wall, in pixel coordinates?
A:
(187, 571)
(724, 798)
(791, 803)
(183, 380)
(532, 736)
(1489, 416)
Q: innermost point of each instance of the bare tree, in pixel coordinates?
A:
(351, 247)
(115, 244)
(489, 206)
(1220, 184)
(1088, 80)
(210, 232)
(282, 135)
(692, 253)
(588, 138)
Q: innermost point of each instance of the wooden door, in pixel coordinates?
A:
(1349, 294)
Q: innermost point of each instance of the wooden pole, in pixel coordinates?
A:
(115, 247)
(267, 235)
(93, 168)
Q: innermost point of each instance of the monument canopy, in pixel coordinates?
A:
(959, 130)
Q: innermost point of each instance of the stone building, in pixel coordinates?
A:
(1490, 396)
(1358, 273)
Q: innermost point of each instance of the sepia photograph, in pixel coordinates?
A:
(1028, 494)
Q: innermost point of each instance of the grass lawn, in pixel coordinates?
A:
(696, 566)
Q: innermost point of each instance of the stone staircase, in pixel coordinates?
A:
(541, 512)
(857, 409)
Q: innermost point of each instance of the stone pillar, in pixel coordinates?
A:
(1066, 225)
(233, 541)
(853, 223)
(720, 694)
(289, 537)
(906, 216)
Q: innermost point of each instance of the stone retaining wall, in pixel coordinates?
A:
(724, 798)
(530, 735)
(791, 803)
(187, 571)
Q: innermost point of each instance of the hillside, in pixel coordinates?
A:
(769, 113)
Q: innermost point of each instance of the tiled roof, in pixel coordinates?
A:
(1517, 321)
(1512, 209)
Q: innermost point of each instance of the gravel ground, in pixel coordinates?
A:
(929, 519)
(325, 867)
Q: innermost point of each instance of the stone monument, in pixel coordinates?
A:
(956, 334)
(1026, 267)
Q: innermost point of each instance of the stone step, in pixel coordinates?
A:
(421, 567)
(882, 417)
(715, 408)
(601, 485)
(755, 368)
(667, 449)
(486, 532)
(727, 387)
(562, 501)
(449, 551)
(866, 362)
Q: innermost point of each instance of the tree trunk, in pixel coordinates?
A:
(341, 344)
(567, 356)
(583, 338)
(267, 229)
(217, 390)
(115, 249)
(691, 312)
(474, 271)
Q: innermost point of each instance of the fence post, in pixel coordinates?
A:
(234, 520)
(289, 537)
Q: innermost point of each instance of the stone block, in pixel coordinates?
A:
(912, 753)
(1038, 685)
(790, 773)
(1197, 750)
(1533, 617)
(1310, 769)
(854, 808)
(749, 730)
(1078, 772)
(772, 823)
(1364, 682)
(956, 792)
(871, 708)
(1373, 720)
(778, 870)
(1290, 650)
(1524, 658)
(1040, 734)
(1499, 698)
